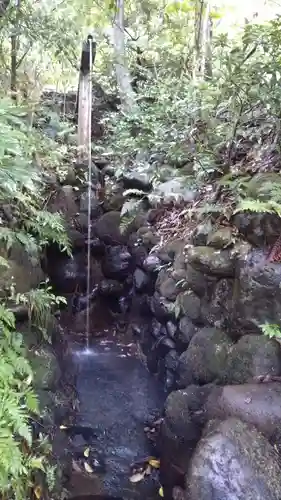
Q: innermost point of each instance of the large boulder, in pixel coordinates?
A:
(255, 404)
(234, 462)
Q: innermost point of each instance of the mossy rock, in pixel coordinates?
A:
(211, 261)
(205, 360)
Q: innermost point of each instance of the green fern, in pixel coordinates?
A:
(258, 206)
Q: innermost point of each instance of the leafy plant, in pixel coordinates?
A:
(18, 400)
(271, 330)
(40, 303)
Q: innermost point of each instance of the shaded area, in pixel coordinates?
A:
(118, 396)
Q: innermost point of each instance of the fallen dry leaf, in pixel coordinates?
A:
(161, 492)
(154, 463)
(62, 427)
(87, 452)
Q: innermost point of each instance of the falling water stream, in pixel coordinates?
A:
(87, 333)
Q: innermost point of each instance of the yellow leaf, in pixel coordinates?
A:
(88, 468)
(87, 452)
(137, 477)
(161, 492)
(62, 427)
(154, 463)
(38, 492)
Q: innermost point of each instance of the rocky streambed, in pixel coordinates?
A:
(179, 321)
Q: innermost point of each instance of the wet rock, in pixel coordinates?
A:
(141, 280)
(251, 356)
(190, 305)
(211, 261)
(233, 450)
(107, 228)
(45, 368)
(200, 234)
(96, 210)
(111, 288)
(221, 238)
(116, 263)
(186, 331)
(255, 404)
(258, 294)
(151, 263)
(205, 359)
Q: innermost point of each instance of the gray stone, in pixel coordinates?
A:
(166, 286)
(255, 404)
(219, 308)
(260, 229)
(171, 360)
(251, 356)
(205, 359)
(137, 180)
(234, 462)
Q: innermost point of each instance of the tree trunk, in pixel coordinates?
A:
(127, 95)
(14, 52)
(202, 40)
